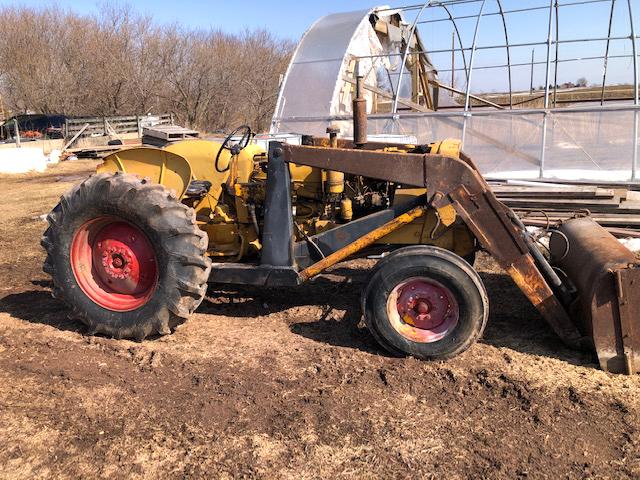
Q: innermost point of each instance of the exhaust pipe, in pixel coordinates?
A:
(359, 110)
(606, 276)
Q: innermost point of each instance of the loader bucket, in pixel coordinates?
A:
(606, 276)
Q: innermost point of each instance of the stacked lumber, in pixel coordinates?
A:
(615, 208)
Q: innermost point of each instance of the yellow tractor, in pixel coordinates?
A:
(132, 248)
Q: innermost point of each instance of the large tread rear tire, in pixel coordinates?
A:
(179, 246)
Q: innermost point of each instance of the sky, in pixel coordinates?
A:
(287, 18)
(290, 18)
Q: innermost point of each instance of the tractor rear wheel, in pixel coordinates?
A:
(425, 302)
(126, 256)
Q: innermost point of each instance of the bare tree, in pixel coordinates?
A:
(121, 62)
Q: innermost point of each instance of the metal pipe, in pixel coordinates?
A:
(463, 134)
(555, 60)
(634, 165)
(394, 108)
(467, 96)
(606, 53)
(549, 40)
(634, 161)
(363, 242)
(506, 39)
(473, 53)
(543, 144)
(359, 110)
(461, 113)
(420, 6)
(459, 2)
(464, 57)
(485, 47)
(533, 50)
(525, 64)
(518, 10)
(635, 54)
(453, 61)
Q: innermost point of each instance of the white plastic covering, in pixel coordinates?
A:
(319, 80)
(587, 145)
(310, 83)
(595, 144)
(22, 160)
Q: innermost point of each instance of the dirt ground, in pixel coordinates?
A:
(287, 384)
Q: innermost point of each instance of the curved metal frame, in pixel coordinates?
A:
(506, 41)
(636, 101)
(549, 42)
(554, 8)
(403, 63)
(462, 49)
(553, 5)
(555, 63)
(606, 53)
(473, 54)
(635, 55)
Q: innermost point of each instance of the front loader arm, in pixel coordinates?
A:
(456, 182)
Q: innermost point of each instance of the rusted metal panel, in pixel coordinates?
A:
(407, 169)
(628, 280)
(606, 276)
(527, 277)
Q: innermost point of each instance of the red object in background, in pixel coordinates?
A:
(31, 134)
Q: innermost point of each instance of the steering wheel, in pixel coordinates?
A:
(236, 148)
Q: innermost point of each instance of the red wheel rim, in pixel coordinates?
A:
(422, 310)
(114, 263)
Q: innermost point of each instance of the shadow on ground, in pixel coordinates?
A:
(513, 322)
(38, 306)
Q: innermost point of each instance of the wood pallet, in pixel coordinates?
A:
(169, 132)
(613, 207)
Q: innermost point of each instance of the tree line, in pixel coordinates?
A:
(120, 62)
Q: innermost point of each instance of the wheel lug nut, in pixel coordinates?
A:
(422, 307)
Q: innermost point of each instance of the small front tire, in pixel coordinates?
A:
(425, 302)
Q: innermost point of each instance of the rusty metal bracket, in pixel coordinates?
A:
(627, 281)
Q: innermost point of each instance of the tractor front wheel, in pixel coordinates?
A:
(126, 256)
(425, 302)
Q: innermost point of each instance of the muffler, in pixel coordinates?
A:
(606, 277)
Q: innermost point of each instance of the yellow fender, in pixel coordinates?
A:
(160, 166)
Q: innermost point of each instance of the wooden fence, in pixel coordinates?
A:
(113, 125)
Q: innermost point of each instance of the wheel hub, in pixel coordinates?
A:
(422, 309)
(423, 304)
(114, 263)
